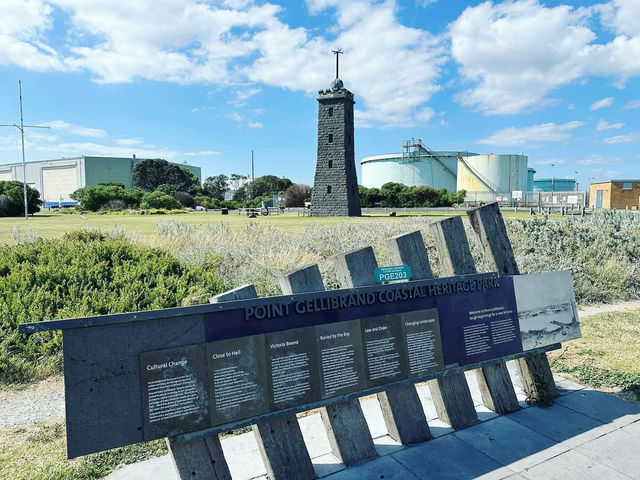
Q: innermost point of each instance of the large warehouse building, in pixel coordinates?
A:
(57, 179)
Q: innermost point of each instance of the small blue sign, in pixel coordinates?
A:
(390, 274)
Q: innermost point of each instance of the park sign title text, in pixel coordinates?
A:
(403, 292)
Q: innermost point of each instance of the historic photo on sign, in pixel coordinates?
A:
(547, 309)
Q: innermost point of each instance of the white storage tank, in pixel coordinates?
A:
(413, 170)
(491, 177)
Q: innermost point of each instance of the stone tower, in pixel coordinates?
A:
(335, 186)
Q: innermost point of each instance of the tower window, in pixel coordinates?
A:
(330, 163)
(331, 111)
(328, 188)
(331, 138)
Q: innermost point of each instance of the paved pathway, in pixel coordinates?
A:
(587, 434)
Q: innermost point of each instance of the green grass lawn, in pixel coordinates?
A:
(607, 353)
(53, 225)
(38, 452)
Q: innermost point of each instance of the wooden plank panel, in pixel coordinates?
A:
(280, 440)
(451, 395)
(199, 459)
(488, 225)
(401, 408)
(455, 256)
(345, 424)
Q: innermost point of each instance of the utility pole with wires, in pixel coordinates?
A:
(21, 127)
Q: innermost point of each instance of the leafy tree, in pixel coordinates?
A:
(396, 195)
(268, 185)
(369, 197)
(166, 188)
(456, 198)
(158, 199)
(240, 195)
(216, 186)
(12, 199)
(151, 173)
(236, 181)
(185, 199)
(95, 197)
(390, 194)
(256, 202)
(295, 195)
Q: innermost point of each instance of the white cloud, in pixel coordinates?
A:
(74, 149)
(622, 16)
(515, 53)
(391, 83)
(598, 160)
(128, 141)
(23, 23)
(255, 125)
(236, 43)
(200, 154)
(605, 102)
(626, 138)
(602, 125)
(549, 161)
(76, 129)
(535, 134)
(632, 104)
(603, 174)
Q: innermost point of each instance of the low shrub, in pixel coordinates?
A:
(159, 199)
(85, 273)
(100, 196)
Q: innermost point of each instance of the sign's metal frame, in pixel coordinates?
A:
(102, 320)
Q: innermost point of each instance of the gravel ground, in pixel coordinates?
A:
(44, 401)
(39, 402)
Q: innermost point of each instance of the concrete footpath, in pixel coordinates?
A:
(587, 434)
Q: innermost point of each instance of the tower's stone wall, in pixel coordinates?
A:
(335, 186)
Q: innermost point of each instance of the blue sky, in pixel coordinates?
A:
(207, 82)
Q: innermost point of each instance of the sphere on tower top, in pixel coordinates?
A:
(337, 84)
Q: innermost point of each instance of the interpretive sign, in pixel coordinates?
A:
(211, 368)
(301, 350)
(175, 398)
(391, 274)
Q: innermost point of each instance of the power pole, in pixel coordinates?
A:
(21, 127)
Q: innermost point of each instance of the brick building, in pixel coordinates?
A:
(616, 194)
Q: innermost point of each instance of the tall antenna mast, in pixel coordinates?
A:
(337, 53)
(21, 127)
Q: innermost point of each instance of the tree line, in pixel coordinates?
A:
(397, 195)
(162, 185)
(158, 184)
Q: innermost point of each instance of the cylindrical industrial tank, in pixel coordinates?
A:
(554, 184)
(530, 174)
(486, 177)
(422, 169)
